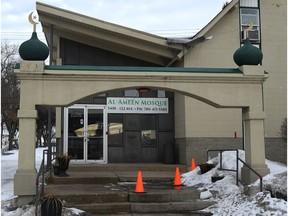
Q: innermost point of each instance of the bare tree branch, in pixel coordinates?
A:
(10, 90)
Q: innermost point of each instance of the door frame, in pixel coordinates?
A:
(85, 108)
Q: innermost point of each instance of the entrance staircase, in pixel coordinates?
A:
(109, 189)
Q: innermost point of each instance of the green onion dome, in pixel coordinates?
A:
(33, 49)
(248, 54)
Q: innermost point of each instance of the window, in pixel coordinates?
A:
(161, 94)
(249, 3)
(131, 93)
(250, 16)
(115, 129)
(148, 132)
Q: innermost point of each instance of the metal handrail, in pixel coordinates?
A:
(260, 177)
(237, 163)
(40, 185)
(39, 192)
(221, 168)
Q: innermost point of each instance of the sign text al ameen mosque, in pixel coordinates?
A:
(137, 105)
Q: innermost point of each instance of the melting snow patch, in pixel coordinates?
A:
(205, 195)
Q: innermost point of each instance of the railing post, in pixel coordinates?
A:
(49, 139)
(220, 159)
(237, 167)
(261, 184)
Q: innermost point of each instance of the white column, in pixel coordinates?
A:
(254, 146)
(25, 177)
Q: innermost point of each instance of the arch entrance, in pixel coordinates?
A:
(63, 86)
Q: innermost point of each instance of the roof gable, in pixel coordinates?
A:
(105, 35)
(216, 19)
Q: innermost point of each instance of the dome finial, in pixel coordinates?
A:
(248, 54)
(33, 49)
(33, 19)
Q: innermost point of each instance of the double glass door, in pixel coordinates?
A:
(86, 139)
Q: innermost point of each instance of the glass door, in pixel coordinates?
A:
(86, 139)
(75, 133)
(96, 134)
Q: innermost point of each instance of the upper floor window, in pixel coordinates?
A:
(250, 16)
(248, 3)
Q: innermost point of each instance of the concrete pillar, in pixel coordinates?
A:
(59, 138)
(254, 146)
(25, 177)
(180, 129)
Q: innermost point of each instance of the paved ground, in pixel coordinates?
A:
(276, 150)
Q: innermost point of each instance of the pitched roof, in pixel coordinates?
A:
(222, 13)
(117, 38)
(105, 35)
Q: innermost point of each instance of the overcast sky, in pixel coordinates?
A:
(162, 17)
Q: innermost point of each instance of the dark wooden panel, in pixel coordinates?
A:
(72, 53)
(132, 146)
(86, 55)
(116, 154)
(131, 122)
(149, 155)
(148, 122)
(166, 147)
(166, 121)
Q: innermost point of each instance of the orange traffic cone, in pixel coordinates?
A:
(193, 166)
(139, 185)
(177, 179)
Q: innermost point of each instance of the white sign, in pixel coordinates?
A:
(137, 105)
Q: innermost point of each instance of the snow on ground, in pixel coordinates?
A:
(230, 198)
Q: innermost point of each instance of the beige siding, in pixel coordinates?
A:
(180, 123)
(206, 121)
(202, 119)
(274, 47)
(217, 52)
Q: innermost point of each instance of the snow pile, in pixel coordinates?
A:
(230, 199)
(26, 210)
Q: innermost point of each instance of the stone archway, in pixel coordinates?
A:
(63, 85)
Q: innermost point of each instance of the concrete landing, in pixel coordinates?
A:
(103, 177)
(127, 167)
(110, 190)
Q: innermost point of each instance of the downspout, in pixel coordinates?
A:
(179, 56)
(186, 44)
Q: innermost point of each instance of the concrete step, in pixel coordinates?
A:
(105, 208)
(145, 208)
(164, 195)
(86, 194)
(119, 198)
(170, 207)
(112, 167)
(96, 193)
(84, 178)
(103, 177)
